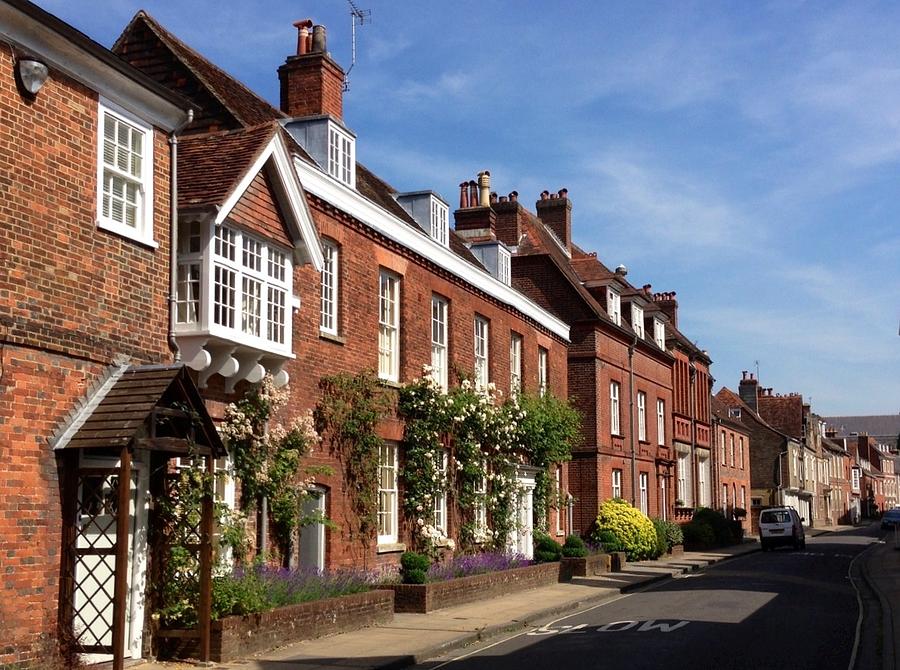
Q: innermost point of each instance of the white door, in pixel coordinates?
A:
(312, 537)
(95, 556)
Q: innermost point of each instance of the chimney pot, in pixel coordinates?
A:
(303, 35)
(563, 192)
(504, 198)
(493, 197)
(484, 189)
(545, 195)
(464, 195)
(473, 193)
(514, 196)
(318, 39)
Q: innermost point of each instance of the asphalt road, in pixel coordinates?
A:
(778, 609)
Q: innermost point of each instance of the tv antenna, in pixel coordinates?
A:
(357, 17)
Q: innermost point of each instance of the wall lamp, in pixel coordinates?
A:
(31, 75)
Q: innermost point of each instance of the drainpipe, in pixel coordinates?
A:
(173, 232)
(631, 418)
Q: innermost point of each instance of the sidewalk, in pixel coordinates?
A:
(414, 638)
(881, 570)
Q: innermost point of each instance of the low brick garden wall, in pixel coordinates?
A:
(422, 598)
(618, 560)
(239, 636)
(586, 566)
(676, 550)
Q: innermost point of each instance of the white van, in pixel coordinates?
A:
(781, 525)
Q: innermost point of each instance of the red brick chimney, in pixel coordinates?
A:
(668, 304)
(555, 210)
(749, 390)
(475, 221)
(311, 82)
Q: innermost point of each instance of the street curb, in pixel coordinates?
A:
(528, 619)
(887, 617)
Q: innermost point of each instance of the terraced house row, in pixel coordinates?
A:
(169, 240)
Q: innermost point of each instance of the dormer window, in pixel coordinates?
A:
(329, 143)
(430, 212)
(340, 155)
(496, 259)
(439, 221)
(614, 306)
(637, 320)
(659, 333)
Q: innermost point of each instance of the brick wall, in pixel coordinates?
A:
(72, 297)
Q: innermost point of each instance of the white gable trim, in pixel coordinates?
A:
(384, 223)
(297, 211)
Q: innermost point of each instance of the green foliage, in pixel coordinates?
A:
(267, 454)
(717, 522)
(546, 549)
(414, 567)
(548, 431)
(346, 416)
(674, 534)
(608, 540)
(574, 547)
(633, 530)
(699, 535)
(662, 544)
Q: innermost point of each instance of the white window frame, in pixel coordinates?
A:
(722, 448)
(330, 294)
(560, 526)
(643, 484)
(660, 422)
(388, 507)
(504, 265)
(724, 497)
(743, 497)
(190, 275)
(616, 483)
(543, 373)
(439, 517)
(388, 326)
(440, 308)
(440, 226)
(683, 492)
(642, 416)
(703, 481)
(615, 422)
(637, 320)
(515, 363)
(142, 231)
(341, 155)
(614, 306)
(482, 335)
(259, 291)
(731, 449)
(663, 503)
(480, 516)
(741, 451)
(659, 334)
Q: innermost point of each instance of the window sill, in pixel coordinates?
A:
(331, 337)
(390, 383)
(127, 233)
(391, 548)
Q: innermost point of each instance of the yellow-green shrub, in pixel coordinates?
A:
(632, 528)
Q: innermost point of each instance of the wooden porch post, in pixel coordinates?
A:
(206, 532)
(120, 594)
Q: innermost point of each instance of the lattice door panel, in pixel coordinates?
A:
(93, 565)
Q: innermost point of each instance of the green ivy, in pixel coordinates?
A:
(346, 416)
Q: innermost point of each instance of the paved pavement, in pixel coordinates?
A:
(415, 638)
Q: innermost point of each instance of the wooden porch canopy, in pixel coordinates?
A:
(156, 408)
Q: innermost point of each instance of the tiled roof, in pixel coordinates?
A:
(731, 399)
(883, 425)
(721, 411)
(247, 108)
(783, 412)
(211, 165)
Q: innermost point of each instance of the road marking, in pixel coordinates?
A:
(613, 627)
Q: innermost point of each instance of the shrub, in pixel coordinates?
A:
(632, 529)
(546, 549)
(674, 535)
(608, 541)
(698, 534)
(662, 544)
(414, 567)
(574, 547)
(717, 522)
(465, 565)
(739, 512)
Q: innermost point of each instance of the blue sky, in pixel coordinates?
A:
(745, 155)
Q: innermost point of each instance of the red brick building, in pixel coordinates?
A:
(691, 419)
(731, 458)
(619, 371)
(394, 289)
(84, 258)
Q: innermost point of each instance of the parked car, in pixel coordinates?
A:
(781, 525)
(891, 519)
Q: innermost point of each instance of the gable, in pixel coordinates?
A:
(258, 211)
(143, 49)
(541, 280)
